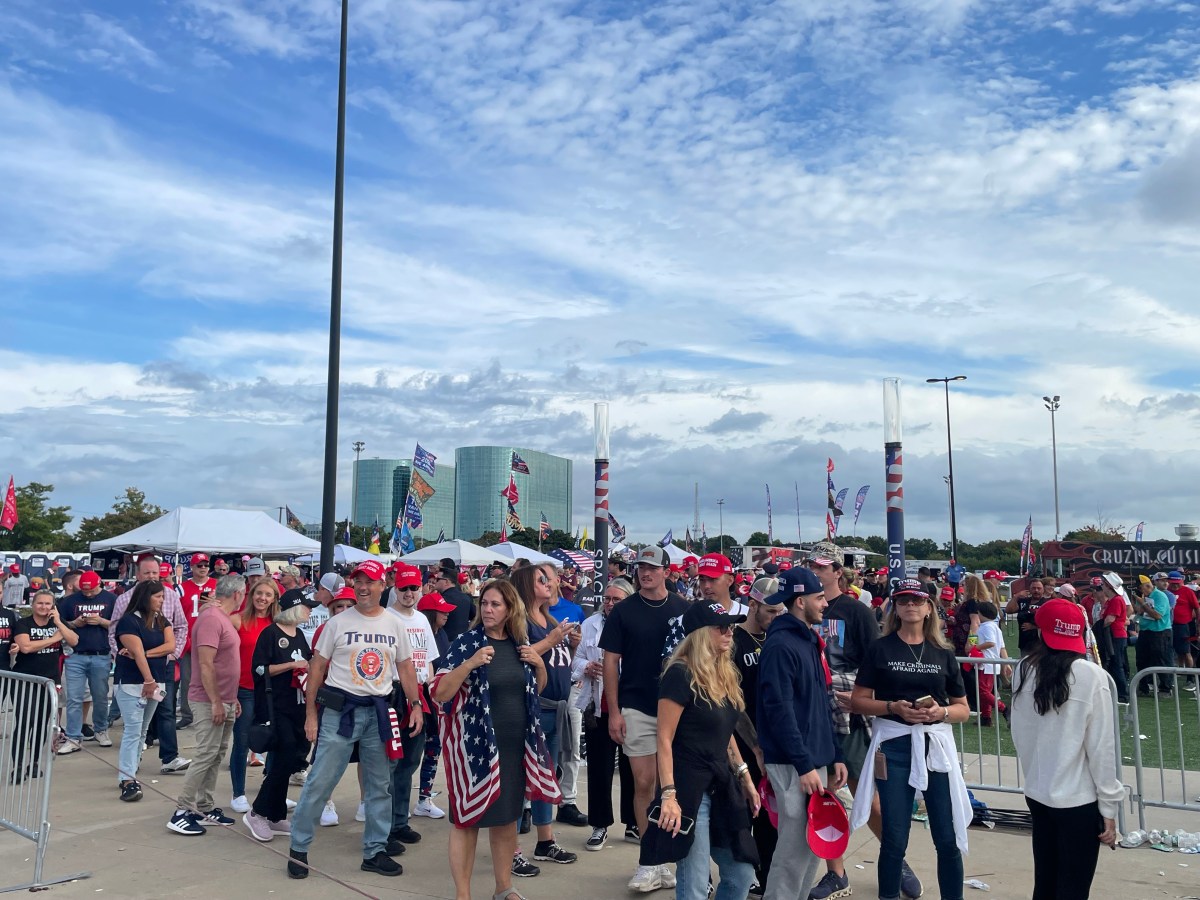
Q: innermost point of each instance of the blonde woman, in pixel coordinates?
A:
(707, 796)
(259, 611)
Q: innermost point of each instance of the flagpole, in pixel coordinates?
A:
(600, 555)
(894, 471)
(799, 534)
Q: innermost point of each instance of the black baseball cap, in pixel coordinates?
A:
(295, 597)
(702, 615)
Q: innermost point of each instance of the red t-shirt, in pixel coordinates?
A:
(193, 596)
(1185, 606)
(1116, 608)
(249, 637)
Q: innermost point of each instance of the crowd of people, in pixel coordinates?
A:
(729, 705)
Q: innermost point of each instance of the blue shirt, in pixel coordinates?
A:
(566, 611)
(1162, 605)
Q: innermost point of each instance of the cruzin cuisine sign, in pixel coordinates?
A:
(1139, 556)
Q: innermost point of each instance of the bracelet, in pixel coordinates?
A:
(668, 790)
(888, 708)
(741, 770)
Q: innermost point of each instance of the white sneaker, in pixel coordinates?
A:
(103, 739)
(360, 814)
(69, 746)
(646, 879)
(298, 778)
(426, 808)
(290, 803)
(240, 804)
(329, 815)
(178, 764)
(667, 876)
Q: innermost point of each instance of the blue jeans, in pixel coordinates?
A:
(896, 804)
(543, 812)
(1118, 668)
(241, 742)
(330, 760)
(164, 717)
(692, 871)
(137, 720)
(402, 777)
(82, 671)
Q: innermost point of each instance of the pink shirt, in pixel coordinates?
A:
(214, 628)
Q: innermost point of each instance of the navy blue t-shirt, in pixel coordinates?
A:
(558, 664)
(127, 671)
(92, 638)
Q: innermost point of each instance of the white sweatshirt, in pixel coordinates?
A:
(1069, 754)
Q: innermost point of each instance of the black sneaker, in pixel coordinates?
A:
(382, 864)
(632, 835)
(598, 839)
(88, 733)
(186, 823)
(182, 724)
(297, 866)
(526, 822)
(131, 791)
(405, 835)
(569, 814)
(523, 868)
(394, 847)
(831, 887)
(216, 816)
(549, 850)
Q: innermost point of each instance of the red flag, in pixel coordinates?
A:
(503, 531)
(829, 464)
(8, 519)
(510, 493)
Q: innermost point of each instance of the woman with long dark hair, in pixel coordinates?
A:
(139, 677)
(910, 681)
(1062, 724)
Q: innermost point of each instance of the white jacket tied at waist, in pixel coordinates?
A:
(942, 757)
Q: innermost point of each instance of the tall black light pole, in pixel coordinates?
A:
(329, 493)
(358, 447)
(950, 459)
(1052, 404)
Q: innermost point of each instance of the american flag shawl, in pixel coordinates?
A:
(469, 749)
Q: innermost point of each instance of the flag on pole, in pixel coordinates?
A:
(346, 534)
(1026, 547)
(770, 529)
(518, 464)
(394, 543)
(616, 532)
(441, 538)
(687, 539)
(510, 493)
(703, 538)
(831, 512)
(424, 460)
(420, 489)
(799, 536)
(412, 512)
(293, 520)
(9, 518)
(1136, 537)
(576, 539)
(667, 538)
(406, 541)
(543, 528)
(583, 540)
(503, 531)
(859, 500)
(840, 501)
(513, 520)
(374, 548)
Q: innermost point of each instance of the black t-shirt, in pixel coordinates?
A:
(8, 621)
(636, 628)
(704, 729)
(899, 671)
(747, 650)
(92, 638)
(44, 663)
(459, 620)
(1026, 608)
(848, 629)
(127, 671)
(273, 648)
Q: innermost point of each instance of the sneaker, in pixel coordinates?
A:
(569, 814)
(406, 835)
(88, 733)
(360, 814)
(632, 835)
(186, 823)
(553, 853)
(182, 724)
(216, 816)
(258, 826)
(395, 847)
(298, 778)
(131, 791)
(831, 887)
(668, 877)
(756, 889)
(329, 816)
(426, 808)
(382, 864)
(598, 839)
(69, 746)
(646, 879)
(1190, 686)
(103, 739)
(240, 804)
(910, 884)
(290, 803)
(178, 764)
(255, 761)
(297, 866)
(283, 826)
(523, 868)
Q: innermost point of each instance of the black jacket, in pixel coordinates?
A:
(464, 611)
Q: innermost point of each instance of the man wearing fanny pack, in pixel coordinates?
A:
(358, 656)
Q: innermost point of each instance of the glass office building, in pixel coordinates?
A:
(437, 515)
(373, 479)
(482, 472)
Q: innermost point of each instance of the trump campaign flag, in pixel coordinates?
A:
(9, 518)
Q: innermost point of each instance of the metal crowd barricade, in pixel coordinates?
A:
(1183, 708)
(27, 733)
(991, 769)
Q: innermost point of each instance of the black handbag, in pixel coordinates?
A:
(261, 736)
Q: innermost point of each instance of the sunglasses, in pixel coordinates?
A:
(542, 579)
(910, 599)
(724, 629)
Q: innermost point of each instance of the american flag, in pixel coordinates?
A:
(615, 529)
(469, 749)
(544, 527)
(424, 460)
(518, 464)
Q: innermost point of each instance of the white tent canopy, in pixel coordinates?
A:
(185, 530)
(676, 554)
(343, 555)
(462, 552)
(512, 552)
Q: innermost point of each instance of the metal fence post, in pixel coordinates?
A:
(1139, 796)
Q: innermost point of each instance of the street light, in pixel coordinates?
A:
(950, 460)
(1052, 404)
(721, 525)
(357, 447)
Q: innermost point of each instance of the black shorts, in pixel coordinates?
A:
(1181, 633)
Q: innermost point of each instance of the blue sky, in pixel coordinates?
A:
(729, 220)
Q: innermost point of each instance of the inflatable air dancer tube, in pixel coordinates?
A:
(894, 465)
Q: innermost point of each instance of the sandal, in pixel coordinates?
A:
(508, 894)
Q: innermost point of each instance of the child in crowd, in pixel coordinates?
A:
(991, 644)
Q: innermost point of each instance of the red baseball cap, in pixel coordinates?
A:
(198, 558)
(828, 826)
(676, 568)
(946, 593)
(89, 580)
(15, 569)
(992, 574)
(1062, 623)
(463, 578)
(743, 590)
(407, 576)
(346, 593)
(436, 602)
(767, 794)
(784, 565)
(714, 565)
(165, 570)
(372, 568)
(690, 561)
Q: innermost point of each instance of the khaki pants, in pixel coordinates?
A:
(212, 743)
